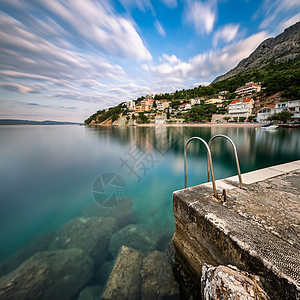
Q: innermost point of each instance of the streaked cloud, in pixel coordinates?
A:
(206, 65)
(272, 9)
(227, 33)
(202, 15)
(160, 28)
(170, 3)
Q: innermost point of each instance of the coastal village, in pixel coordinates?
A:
(244, 105)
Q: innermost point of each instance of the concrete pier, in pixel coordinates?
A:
(256, 229)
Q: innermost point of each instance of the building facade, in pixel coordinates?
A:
(264, 113)
(241, 108)
(249, 88)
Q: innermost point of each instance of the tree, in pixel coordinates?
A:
(154, 104)
(143, 118)
(226, 118)
(168, 114)
(128, 118)
(282, 116)
(242, 119)
(251, 118)
(235, 119)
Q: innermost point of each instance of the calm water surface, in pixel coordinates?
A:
(47, 172)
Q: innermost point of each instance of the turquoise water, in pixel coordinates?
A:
(47, 172)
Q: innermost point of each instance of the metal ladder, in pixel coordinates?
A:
(209, 160)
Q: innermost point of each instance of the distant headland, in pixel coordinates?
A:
(30, 122)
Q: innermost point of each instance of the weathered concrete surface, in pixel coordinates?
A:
(256, 229)
(228, 282)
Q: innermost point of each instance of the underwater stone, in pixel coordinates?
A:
(102, 273)
(222, 283)
(90, 293)
(125, 279)
(123, 212)
(90, 234)
(38, 243)
(158, 278)
(135, 236)
(57, 274)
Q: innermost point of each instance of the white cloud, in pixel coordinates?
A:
(204, 66)
(170, 3)
(141, 4)
(101, 27)
(160, 28)
(273, 10)
(202, 15)
(289, 22)
(226, 33)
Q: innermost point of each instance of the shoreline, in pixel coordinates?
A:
(256, 125)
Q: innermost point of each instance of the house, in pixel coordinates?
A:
(249, 88)
(160, 119)
(292, 106)
(241, 107)
(185, 106)
(142, 108)
(196, 101)
(223, 92)
(213, 101)
(162, 105)
(264, 113)
(130, 105)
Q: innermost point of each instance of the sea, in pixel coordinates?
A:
(52, 175)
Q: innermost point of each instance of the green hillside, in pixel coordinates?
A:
(283, 77)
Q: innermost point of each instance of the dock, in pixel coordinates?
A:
(255, 228)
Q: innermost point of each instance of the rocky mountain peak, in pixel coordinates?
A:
(285, 46)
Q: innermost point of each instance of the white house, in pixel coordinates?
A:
(248, 88)
(162, 105)
(130, 105)
(241, 107)
(264, 113)
(292, 106)
(185, 106)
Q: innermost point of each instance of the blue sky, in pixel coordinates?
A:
(64, 60)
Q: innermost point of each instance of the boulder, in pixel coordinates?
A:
(158, 278)
(90, 234)
(102, 273)
(222, 283)
(38, 243)
(135, 236)
(90, 293)
(125, 279)
(58, 274)
(123, 212)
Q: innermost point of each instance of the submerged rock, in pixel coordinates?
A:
(38, 243)
(90, 234)
(57, 274)
(222, 283)
(158, 278)
(135, 236)
(123, 212)
(90, 293)
(101, 274)
(125, 279)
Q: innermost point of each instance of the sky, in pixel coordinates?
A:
(64, 60)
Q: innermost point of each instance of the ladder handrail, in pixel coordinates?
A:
(209, 161)
(235, 154)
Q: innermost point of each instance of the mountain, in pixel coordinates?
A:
(29, 122)
(284, 47)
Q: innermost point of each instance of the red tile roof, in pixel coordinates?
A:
(247, 100)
